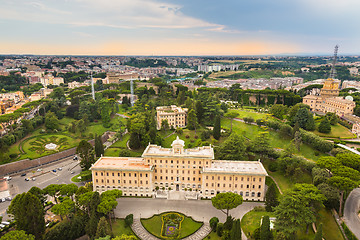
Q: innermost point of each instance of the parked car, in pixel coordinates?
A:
(8, 198)
(33, 179)
(75, 158)
(54, 170)
(39, 170)
(3, 199)
(5, 223)
(72, 172)
(8, 178)
(26, 179)
(24, 174)
(59, 168)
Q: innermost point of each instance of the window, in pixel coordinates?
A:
(212, 185)
(247, 186)
(135, 182)
(254, 179)
(259, 186)
(259, 179)
(205, 184)
(119, 181)
(95, 173)
(218, 178)
(242, 186)
(218, 184)
(207, 177)
(113, 181)
(242, 179)
(253, 194)
(112, 174)
(140, 182)
(135, 174)
(102, 174)
(124, 181)
(248, 179)
(172, 171)
(253, 186)
(96, 180)
(102, 180)
(172, 161)
(160, 161)
(146, 182)
(235, 185)
(212, 177)
(259, 194)
(224, 185)
(160, 177)
(107, 181)
(129, 181)
(230, 178)
(146, 175)
(229, 185)
(140, 174)
(236, 179)
(129, 174)
(155, 177)
(183, 178)
(118, 174)
(166, 178)
(107, 174)
(155, 170)
(193, 172)
(247, 194)
(224, 178)
(188, 179)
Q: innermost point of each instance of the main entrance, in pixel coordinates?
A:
(177, 187)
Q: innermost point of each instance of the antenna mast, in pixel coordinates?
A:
(333, 71)
(132, 92)
(92, 87)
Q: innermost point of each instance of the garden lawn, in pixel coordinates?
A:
(190, 142)
(213, 236)
(154, 224)
(83, 173)
(113, 150)
(337, 131)
(251, 131)
(331, 230)
(250, 113)
(251, 221)
(119, 228)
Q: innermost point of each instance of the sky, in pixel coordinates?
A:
(182, 27)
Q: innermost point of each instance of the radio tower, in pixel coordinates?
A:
(92, 87)
(333, 71)
(132, 92)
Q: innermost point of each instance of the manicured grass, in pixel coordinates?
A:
(251, 221)
(250, 113)
(213, 236)
(190, 142)
(284, 181)
(154, 224)
(251, 131)
(119, 228)
(83, 173)
(331, 230)
(337, 131)
(113, 150)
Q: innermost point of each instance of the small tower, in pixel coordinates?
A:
(178, 146)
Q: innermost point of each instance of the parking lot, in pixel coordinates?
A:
(42, 178)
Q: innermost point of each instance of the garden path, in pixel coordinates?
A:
(140, 231)
(201, 233)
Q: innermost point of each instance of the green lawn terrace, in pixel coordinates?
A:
(171, 225)
(252, 221)
(337, 131)
(33, 145)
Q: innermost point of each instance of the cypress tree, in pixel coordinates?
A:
(217, 128)
(99, 147)
(235, 233)
(324, 126)
(265, 233)
(103, 228)
(271, 200)
(319, 235)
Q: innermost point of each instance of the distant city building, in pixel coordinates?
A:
(216, 68)
(179, 169)
(354, 71)
(51, 80)
(75, 84)
(328, 101)
(175, 116)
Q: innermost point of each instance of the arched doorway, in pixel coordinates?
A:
(177, 187)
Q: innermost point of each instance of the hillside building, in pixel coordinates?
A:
(176, 116)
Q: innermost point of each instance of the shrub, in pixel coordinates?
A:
(213, 223)
(13, 155)
(196, 137)
(129, 219)
(219, 229)
(273, 166)
(187, 136)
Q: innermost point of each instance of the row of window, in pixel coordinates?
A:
(235, 185)
(177, 178)
(247, 194)
(118, 174)
(177, 161)
(178, 171)
(230, 178)
(124, 181)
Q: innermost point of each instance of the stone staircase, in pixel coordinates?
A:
(201, 233)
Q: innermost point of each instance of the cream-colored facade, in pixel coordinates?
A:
(328, 101)
(176, 116)
(179, 169)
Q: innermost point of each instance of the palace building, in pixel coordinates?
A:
(329, 100)
(176, 116)
(179, 170)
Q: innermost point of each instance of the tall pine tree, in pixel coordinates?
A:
(265, 233)
(99, 147)
(318, 234)
(271, 200)
(235, 233)
(217, 128)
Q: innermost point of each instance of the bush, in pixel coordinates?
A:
(273, 166)
(129, 219)
(213, 223)
(348, 233)
(187, 136)
(13, 155)
(219, 229)
(206, 134)
(315, 141)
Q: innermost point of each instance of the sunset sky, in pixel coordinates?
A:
(186, 27)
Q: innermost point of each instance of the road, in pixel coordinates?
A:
(351, 210)
(42, 179)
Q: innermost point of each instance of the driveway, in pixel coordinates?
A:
(200, 210)
(351, 210)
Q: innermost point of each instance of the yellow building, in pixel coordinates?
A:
(176, 116)
(328, 101)
(179, 170)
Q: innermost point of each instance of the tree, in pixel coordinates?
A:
(103, 228)
(28, 213)
(332, 117)
(165, 125)
(99, 147)
(332, 195)
(235, 233)
(68, 190)
(181, 98)
(199, 111)
(271, 200)
(17, 235)
(278, 110)
(226, 201)
(231, 115)
(192, 120)
(318, 234)
(305, 119)
(40, 194)
(213, 223)
(261, 144)
(64, 208)
(232, 148)
(125, 237)
(86, 153)
(105, 110)
(343, 184)
(297, 140)
(324, 126)
(51, 121)
(52, 190)
(129, 219)
(217, 128)
(265, 233)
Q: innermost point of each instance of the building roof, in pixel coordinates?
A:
(123, 163)
(178, 141)
(236, 167)
(199, 152)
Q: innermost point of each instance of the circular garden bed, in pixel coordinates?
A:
(171, 225)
